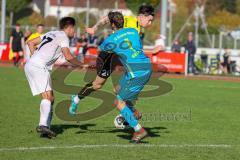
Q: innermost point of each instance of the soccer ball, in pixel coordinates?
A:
(120, 122)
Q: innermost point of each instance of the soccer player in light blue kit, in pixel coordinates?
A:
(126, 43)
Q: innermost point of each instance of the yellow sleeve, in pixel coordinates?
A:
(32, 36)
(131, 22)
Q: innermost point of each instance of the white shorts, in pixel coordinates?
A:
(38, 78)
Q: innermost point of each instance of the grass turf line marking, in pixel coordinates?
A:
(119, 146)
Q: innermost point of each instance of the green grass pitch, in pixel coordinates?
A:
(211, 132)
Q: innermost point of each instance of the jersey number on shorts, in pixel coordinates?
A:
(45, 41)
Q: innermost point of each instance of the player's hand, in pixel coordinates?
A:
(158, 49)
(90, 30)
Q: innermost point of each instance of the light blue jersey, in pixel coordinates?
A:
(126, 43)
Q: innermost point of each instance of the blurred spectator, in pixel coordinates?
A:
(182, 49)
(160, 44)
(92, 40)
(105, 35)
(27, 34)
(226, 61)
(78, 52)
(204, 61)
(38, 33)
(84, 44)
(218, 57)
(17, 44)
(176, 47)
(191, 49)
(237, 68)
(73, 41)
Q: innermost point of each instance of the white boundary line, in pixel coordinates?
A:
(84, 146)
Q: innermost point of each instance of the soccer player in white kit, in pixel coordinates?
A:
(45, 50)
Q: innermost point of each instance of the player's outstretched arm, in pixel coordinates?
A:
(101, 22)
(69, 57)
(32, 44)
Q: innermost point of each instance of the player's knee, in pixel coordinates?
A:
(120, 104)
(116, 89)
(116, 102)
(97, 86)
(48, 96)
(51, 97)
(52, 100)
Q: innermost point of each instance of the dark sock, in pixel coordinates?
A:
(14, 61)
(87, 90)
(19, 58)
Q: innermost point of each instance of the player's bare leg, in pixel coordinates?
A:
(46, 115)
(87, 90)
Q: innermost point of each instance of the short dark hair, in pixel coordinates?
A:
(66, 21)
(146, 10)
(116, 18)
(40, 25)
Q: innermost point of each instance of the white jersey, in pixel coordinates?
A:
(49, 50)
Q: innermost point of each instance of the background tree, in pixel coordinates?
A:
(134, 5)
(17, 9)
(33, 19)
(50, 21)
(238, 7)
(81, 19)
(183, 11)
(215, 5)
(224, 20)
(230, 5)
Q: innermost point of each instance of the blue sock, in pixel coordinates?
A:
(129, 117)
